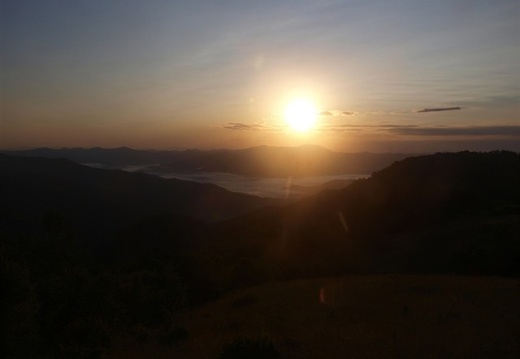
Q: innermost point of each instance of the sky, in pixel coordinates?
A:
(174, 74)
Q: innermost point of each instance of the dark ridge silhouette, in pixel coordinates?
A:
(90, 256)
(444, 213)
(418, 190)
(98, 203)
(113, 156)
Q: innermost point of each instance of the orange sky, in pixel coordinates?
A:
(204, 74)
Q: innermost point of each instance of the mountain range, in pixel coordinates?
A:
(262, 161)
(434, 207)
(93, 256)
(443, 213)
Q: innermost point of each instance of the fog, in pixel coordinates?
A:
(259, 186)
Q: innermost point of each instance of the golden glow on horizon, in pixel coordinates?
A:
(300, 115)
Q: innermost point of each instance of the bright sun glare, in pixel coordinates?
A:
(300, 114)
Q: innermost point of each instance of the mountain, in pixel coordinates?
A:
(160, 248)
(262, 161)
(442, 213)
(122, 156)
(366, 316)
(95, 202)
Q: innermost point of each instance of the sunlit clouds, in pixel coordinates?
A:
(405, 130)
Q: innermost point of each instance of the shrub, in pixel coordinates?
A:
(249, 349)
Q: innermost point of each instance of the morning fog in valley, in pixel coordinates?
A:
(272, 179)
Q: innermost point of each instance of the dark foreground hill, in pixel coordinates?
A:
(452, 213)
(97, 203)
(364, 317)
(87, 254)
(444, 213)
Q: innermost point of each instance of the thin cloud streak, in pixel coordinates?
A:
(439, 109)
(325, 113)
(238, 126)
(505, 131)
(335, 113)
(401, 130)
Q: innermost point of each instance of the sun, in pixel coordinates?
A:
(300, 115)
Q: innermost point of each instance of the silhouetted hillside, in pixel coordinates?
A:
(444, 213)
(123, 156)
(94, 202)
(420, 190)
(90, 255)
(366, 316)
(153, 257)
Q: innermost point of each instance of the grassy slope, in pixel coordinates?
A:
(386, 316)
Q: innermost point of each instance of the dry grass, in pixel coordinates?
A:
(390, 316)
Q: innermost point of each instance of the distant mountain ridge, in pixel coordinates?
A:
(265, 161)
(108, 156)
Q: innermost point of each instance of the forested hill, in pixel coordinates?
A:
(427, 189)
(448, 213)
(95, 202)
(443, 213)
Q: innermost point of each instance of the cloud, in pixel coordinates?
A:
(474, 132)
(348, 127)
(326, 127)
(252, 127)
(275, 123)
(505, 131)
(414, 130)
(325, 113)
(242, 126)
(439, 109)
(335, 113)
